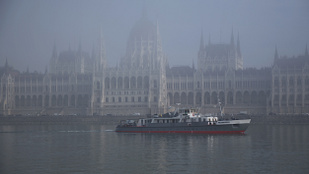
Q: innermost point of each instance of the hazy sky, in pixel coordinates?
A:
(29, 28)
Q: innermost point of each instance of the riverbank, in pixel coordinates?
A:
(113, 120)
(280, 119)
(64, 119)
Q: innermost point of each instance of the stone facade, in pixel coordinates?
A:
(143, 82)
(217, 57)
(290, 84)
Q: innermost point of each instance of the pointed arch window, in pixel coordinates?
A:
(299, 83)
(155, 84)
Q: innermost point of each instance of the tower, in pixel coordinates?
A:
(144, 48)
(53, 60)
(220, 57)
(276, 57)
(144, 66)
(239, 59)
(100, 57)
(201, 52)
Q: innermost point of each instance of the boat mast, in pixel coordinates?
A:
(220, 107)
(177, 108)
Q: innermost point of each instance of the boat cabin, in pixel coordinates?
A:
(162, 120)
(191, 112)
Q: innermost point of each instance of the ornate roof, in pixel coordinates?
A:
(217, 50)
(142, 29)
(294, 62)
(180, 71)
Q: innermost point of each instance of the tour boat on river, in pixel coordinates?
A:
(185, 121)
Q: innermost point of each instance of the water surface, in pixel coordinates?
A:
(90, 148)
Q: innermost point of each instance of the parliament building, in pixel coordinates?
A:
(79, 82)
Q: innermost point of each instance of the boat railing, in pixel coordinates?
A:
(127, 123)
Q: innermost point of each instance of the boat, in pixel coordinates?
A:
(186, 120)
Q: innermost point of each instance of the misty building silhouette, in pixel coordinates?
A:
(143, 82)
(216, 57)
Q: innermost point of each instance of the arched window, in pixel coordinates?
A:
(119, 82)
(299, 81)
(107, 83)
(238, 97)
(98, 85)
(183, 98)
(139, 82)
(176, 98)
(207, 98)
(146, 82)
(126, 83)
(113, 83)
(247, 98)
(190, 98)
(276, 82)
(283, 81)
(198, 98)
(214, 98)
(133, 82)
(291, 81)
(155, 85)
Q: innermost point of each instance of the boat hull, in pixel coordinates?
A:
(188, 128)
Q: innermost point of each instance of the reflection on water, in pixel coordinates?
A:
(98, 149)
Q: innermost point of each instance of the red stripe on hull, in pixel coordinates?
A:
(189, 132)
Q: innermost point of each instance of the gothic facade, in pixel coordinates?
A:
(290, 84)
(143, 82)
(216, 57)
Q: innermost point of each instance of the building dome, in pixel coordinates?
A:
(143, 45)
(143, 29)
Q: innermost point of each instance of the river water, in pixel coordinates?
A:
(91, 149)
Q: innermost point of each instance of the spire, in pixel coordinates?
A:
(93, 52)
(209, 40)
(54, 51)
(201, 51)
(6, 63)
(79, 46)
(276, 54)
(158, 36)
(238, 45)
(102, 56)
(202, 41)
(193, 66)
(157, 28)
(306, 51)
(6, 66)
(232, 37)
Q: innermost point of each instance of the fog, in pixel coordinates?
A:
(30, 28)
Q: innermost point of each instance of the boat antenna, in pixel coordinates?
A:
(177, 108)
(220, 106)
